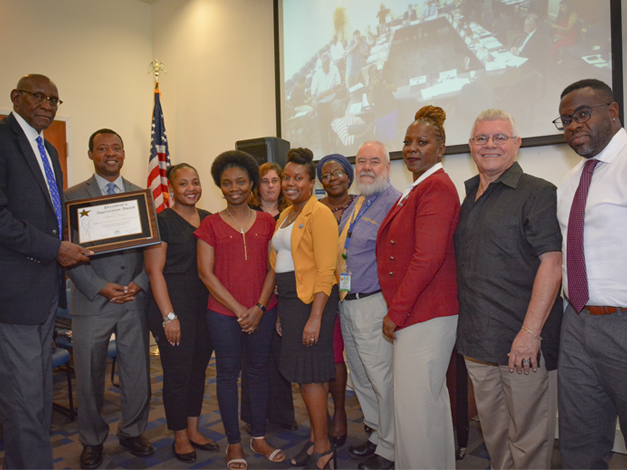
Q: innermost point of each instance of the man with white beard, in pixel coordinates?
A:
(362, 307)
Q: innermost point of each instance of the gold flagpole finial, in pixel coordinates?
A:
(156, 66)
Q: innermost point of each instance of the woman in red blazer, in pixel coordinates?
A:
(416, 265)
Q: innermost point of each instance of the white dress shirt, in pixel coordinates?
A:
(605, 223)
(32, 134)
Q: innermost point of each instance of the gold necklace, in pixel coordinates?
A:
(293, 216)
(241, 229)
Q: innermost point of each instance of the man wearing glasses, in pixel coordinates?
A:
(592, 212)
(508, 246)
(32, 258)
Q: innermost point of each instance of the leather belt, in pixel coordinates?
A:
(358, 295)
(602, 310)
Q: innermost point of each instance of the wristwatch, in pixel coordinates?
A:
(169, 317)
(262, 308)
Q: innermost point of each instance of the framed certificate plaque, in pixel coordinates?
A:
(118, 222)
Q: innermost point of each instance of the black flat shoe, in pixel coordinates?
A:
(189, 457)
(209, 446)
(302, 457)
(338, 441)
(91, 456)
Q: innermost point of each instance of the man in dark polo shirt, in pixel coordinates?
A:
(508, 246)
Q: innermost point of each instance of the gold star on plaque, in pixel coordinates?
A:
(84, 213)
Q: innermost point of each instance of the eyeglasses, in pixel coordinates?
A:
(336, 174)
(581, 115)
(41, 98)
(498, 139)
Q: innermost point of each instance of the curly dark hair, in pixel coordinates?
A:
(435, 116)
(255, 200)
(235, 159)
(171, 172)
(303, 156)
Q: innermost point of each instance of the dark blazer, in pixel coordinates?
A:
(536, 50)
(29, 241)
(416, 254)
(121, 268)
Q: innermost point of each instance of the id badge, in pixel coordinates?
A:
(345, 282)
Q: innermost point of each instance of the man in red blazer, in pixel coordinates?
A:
(362, 306)
(508, 247)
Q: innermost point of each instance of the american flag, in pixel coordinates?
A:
(159, 157)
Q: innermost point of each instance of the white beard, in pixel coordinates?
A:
(375, 187)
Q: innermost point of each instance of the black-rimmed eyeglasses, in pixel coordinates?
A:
(581, 115)
(40, 98)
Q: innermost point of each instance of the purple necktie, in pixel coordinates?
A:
(575, 257)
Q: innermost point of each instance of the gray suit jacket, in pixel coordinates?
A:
(121, 268)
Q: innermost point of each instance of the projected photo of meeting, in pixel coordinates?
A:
(357, 70)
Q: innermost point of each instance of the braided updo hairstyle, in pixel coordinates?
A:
(303, 156)
(435, 116)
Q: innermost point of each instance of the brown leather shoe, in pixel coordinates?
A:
(139, 446)
(91, 456)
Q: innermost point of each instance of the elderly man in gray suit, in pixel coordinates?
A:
(109, 295)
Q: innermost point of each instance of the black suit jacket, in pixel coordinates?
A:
(29, 241)
(536, 50)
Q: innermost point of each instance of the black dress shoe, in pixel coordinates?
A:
(293, 426)
(189, 457)
(362, 451)
(376, 462)
(210, 446)
(91, 456)
(138, 445)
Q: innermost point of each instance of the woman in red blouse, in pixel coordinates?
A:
(233, 265)
(417, 274)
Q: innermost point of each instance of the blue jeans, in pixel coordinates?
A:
(230, 343)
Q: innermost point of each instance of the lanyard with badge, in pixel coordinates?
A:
(345, 278)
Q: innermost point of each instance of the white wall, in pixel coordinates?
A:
(97, 53)
(219, 88)
(219, 55)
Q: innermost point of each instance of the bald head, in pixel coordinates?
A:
(29, 100)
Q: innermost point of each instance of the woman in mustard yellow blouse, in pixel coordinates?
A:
(305, 276)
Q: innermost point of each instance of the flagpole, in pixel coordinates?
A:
(159, 159)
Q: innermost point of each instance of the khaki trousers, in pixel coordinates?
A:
(518, 414)
(424, 424)
(370, 361)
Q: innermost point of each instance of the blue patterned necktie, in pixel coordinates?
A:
(52, 185)
(111, 188)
